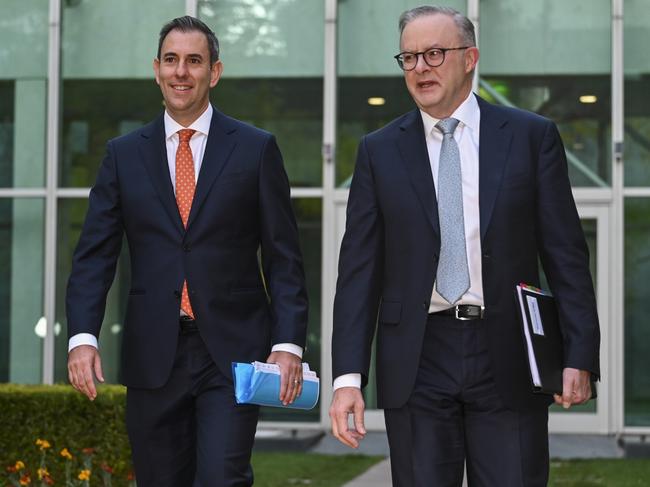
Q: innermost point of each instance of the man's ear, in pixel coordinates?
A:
(471, 58)
(156, 70)
(215, 73)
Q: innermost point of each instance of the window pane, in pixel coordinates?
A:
(553, 57)
(88, 125)
(637, 87)
(309, 213)
(71, 214)
(22, 326)
(272, 51)
(291, 109)
(267, 38)
(368, 38)
(637, 326)
(108, 87)
(113, 40)
(23, 90)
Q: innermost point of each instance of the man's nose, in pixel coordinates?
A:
(421, 65)
(181, 69)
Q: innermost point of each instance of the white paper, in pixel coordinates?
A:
(307, 374)
(535, 316)
(534, 371)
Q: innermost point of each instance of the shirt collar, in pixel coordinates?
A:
(468, 113)
(201, 124)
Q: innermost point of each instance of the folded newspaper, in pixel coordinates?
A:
(259, 383)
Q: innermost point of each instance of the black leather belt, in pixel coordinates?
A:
(187, 324)
(462, 312)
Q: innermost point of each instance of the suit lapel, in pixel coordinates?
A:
(218, 148)
(494, 146)
(413, 148)
(154, 155)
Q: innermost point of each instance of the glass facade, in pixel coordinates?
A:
(637, 212)
(553, 57)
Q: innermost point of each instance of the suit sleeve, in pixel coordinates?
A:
(565, 256)
(95, 257)
(360, 270)
(280, 252)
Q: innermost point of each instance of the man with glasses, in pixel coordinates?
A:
(450, 207)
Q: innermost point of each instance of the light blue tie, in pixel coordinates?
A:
(452, 280)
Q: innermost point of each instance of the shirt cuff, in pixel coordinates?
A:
(347, 380)
(82, 339)
(287, 347)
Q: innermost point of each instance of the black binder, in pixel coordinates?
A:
(542, 338)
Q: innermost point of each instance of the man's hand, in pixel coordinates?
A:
(290, 375)
(346, 401)
(84, 364)
(576, 388)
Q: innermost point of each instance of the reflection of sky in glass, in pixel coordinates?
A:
(250, 23)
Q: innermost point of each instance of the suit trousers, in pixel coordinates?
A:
(455, 415)
(190, 432)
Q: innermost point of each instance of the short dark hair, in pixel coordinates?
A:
(465, 26)
(191, 24)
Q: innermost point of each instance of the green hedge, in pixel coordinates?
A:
(66, 419)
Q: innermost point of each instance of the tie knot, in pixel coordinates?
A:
(447, 125)
(185, 135)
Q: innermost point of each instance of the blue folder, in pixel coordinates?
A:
(259, 383)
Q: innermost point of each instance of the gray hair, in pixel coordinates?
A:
(191, 24)
(465, 26)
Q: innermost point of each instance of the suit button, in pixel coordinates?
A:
(177, 294)
(425, 305)
(186, 247)
(486, 256)
(435, 256)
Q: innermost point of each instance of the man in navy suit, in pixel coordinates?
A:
(217, 274)
(451, 366)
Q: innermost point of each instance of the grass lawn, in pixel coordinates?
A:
(600, 473)
(307, 469)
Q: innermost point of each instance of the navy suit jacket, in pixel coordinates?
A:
(389, 253)
(239, 253)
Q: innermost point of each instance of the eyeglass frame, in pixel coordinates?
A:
(444, 50)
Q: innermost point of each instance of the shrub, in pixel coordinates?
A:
(66, 419)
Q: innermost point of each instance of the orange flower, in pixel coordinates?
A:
(25, 480)
(88, 451)
(106, 468)
(130, 476)
(19, 466)
(42, 472)
(43, 444)
(66, 454)
(84, 475)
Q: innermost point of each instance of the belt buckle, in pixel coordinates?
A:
(467, 318)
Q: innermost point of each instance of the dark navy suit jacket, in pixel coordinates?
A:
(239, 254)
(388, 257)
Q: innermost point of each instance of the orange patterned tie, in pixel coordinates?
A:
(185, 185)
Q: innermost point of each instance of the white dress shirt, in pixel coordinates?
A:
(466, 136)
(197, 145)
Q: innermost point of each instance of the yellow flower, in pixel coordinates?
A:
(43, 444)
(42, 472)
(84, 475)
(66, 454)
(19, 465)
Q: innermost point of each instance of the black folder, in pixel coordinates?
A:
(542, 338)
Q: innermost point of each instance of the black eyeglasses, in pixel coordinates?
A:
(434, 57)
